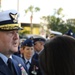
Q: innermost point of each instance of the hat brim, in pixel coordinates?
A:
(9, 27)
(39, 39)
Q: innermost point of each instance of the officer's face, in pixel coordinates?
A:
(9, 41)
(38, 46)
(28, 52)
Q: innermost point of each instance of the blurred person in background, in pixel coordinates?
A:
(38, 46)
(58, 56)
(70, 33)
(54, 33)
(27, 51)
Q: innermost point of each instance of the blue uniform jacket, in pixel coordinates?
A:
(18, 63)
(35, 56)
(34, 67)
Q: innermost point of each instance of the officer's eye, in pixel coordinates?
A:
(13, 32)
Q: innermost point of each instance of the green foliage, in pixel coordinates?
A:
(55, 22)
(59, 11)
(37, 9)
(32, 9)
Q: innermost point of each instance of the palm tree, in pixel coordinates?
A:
(32, 9)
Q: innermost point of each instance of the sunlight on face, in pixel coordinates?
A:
(9, 41)
(28, 52)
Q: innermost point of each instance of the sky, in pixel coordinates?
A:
(46, 8)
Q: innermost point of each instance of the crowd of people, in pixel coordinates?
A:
(35, 56)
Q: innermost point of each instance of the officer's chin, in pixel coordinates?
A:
(15, 50)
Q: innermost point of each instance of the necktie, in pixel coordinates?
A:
(28, 65)
(11, 66)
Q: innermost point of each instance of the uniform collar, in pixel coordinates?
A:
(28, 60)
(4, 58)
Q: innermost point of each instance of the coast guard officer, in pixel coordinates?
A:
(38, 46)
(9, 41)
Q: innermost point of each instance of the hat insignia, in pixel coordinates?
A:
(14, 17)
